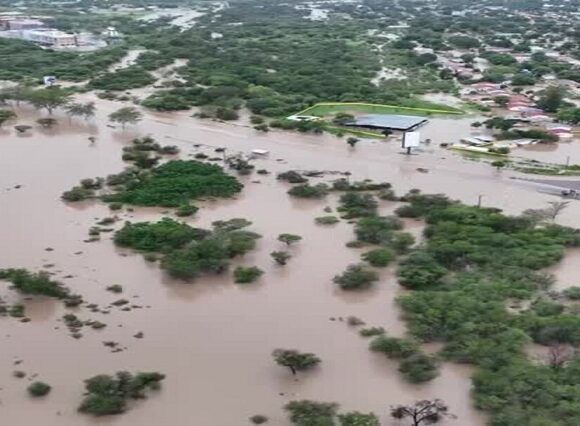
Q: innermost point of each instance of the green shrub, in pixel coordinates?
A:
(124, 79)
(292, 176)
(379, 257)
(309, 191)
(358, 419)
(38, 389)
(78, 193)
(110, 394)
(281, 257)
(259, 419)
(326, 220)
(353, 205)
(377, 229)
(401, 242)
(419, 368)
(394, 347)
(572, 293)
(31, 283)
(372, 331)
(420, 271)
(311, 413)
(162, 236)
(115, 206)
(243, 275)
(356, 277)
(186, 210)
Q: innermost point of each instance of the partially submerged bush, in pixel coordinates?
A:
(372, 331)
(38, 389)
(176, 183)
(281, 257)
(77, 193)
(354, 204)
(292, 176)
(309, 191)
(244, 275)
(110, 394)
(39, 283)
(356, 277)
(189, 252)
(186, 210)
(259, 419)
(326, 220)
(379, 257)
(377, 229)
(572, 293)
(394, 347)
(419, 368)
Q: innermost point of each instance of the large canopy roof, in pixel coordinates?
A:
(387, 121)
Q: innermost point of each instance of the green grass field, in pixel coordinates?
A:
(325, 109)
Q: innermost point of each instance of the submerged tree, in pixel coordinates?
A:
(422, 412)
(86, 110)
(6, 115)
(49, 99)
(126, 115)
(352, 141)
(294, 360)
(289, 239)
(556, 207)
(281, 257)
(312, 413)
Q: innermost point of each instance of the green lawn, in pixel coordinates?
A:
(422, 109)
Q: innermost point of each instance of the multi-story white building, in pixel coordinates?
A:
(51, 38)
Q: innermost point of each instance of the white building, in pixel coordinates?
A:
(51, 38)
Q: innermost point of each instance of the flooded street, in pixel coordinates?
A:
(212, 338)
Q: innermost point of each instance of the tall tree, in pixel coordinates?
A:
(126, 115)
(289, 238)
(86, 110)
(49, 98)
(422, 412)
(294, 360)
(552, 98)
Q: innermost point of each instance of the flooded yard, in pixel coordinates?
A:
(212, 338)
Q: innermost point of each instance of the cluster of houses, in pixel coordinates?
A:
(31, 29)
(35, 30)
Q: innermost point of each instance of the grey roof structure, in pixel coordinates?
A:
(384, 121)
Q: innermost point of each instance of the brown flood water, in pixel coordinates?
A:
(213, 338)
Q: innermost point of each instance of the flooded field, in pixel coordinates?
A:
(213, 338)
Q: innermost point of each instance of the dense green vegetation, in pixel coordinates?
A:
(173, 184)
(474, 262)
(31, 283)
(124, 79)
(111, 394)
(356, 277)
(314, 413)
(28, 60)
(189, 252)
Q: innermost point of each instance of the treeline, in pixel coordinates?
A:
(21, 59)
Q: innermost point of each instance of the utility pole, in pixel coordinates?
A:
(479, 197)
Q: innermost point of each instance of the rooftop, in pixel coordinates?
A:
(384, 121)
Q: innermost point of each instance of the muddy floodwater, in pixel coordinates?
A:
(212, 338)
